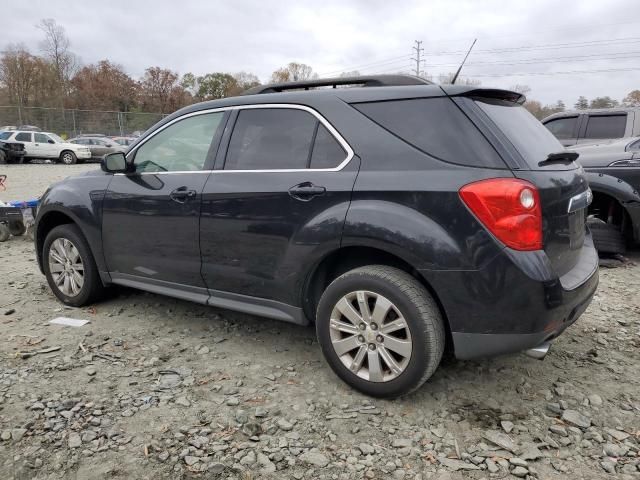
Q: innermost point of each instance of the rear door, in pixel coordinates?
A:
(277, 199)
(151, 216)
(26, 138)
(562, 186)
(604, 126)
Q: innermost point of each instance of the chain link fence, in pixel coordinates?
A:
(69, 123)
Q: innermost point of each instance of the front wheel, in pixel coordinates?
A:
(380, 330)
(70, 268)
(68, 158)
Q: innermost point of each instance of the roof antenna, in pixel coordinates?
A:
(455, 77)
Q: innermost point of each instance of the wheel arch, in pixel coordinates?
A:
(607, 188)
(346, 258)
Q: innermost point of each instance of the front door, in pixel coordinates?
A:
(43, 147)
(151, 216)
(279, 200)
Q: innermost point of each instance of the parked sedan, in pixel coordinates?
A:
(613, 171)
(124, 141)
(99, 146)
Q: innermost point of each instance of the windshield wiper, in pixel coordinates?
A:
(559, 157)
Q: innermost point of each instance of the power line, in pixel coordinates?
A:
(533, 61)
(566, 72)
(358, 67)
(593, 43)
(418, 49)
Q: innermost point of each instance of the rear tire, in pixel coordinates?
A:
(17, 228)
(607, 238)
(398, 349)
(76, 250)
(68, 157)
(3, 158)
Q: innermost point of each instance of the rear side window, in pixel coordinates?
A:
(23, 137)
(532, 141)
(435, 126)
(562, 128)
(606, 126)
(5, 135)
(281, 138)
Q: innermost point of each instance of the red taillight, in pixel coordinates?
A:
(509, 208)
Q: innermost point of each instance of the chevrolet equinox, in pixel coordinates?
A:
(398, 216)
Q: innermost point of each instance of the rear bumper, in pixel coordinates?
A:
(515, 303)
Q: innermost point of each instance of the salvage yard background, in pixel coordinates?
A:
(155, 387)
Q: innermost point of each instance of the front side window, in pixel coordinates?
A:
(562, 128)
(606, 126)
(23, 137)
(40, 138)
(183, 146)
(56, 138)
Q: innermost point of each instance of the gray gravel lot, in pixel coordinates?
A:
(155, 387)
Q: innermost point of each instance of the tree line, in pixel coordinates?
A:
(54, 77)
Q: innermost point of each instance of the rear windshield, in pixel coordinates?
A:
(435, 126)
(532, 140)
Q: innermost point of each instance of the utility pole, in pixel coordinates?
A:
(418, 49)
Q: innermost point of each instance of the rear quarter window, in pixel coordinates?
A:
(435, 126)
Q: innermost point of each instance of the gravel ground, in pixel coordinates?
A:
(155, 388)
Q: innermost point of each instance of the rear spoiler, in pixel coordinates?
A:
(488, 93)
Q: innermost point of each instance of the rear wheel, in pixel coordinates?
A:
(70, 268)
(17, 228)
(380, 331)
(3, 158)
(68, 157)
(607, 237)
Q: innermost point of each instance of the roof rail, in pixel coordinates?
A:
(365, 81)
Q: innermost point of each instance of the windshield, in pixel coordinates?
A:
(532, 140)
(56, 138)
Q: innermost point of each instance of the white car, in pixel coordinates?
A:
(48, 145)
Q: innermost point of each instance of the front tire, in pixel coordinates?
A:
(68, 157)
(380, 331)
(70, 268)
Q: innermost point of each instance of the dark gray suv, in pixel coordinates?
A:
(399, 217)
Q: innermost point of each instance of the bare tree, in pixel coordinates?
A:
(55, 48)
(293, 72)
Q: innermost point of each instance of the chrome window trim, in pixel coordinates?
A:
(343, 143)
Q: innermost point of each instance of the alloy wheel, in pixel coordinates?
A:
(66, 267)
(370, 336)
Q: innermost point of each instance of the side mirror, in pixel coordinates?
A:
(109, 145)
(114, 162)
(50, 141)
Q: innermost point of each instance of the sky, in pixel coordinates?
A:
(594, 44)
